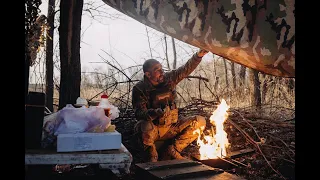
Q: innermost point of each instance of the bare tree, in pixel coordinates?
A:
(166, 51)
(149, 42)
(234, 80)
(30, 21)
(69, 38)
(242, 75)
(265, 82)
(226, 72)
(174, 54)
(256, 98)
(49, 55)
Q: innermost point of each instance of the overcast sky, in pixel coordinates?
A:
(126, 39)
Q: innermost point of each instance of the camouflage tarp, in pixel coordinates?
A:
(259, 34)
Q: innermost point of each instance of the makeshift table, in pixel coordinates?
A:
(115, 160)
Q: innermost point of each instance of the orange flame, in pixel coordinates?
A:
(215, 146)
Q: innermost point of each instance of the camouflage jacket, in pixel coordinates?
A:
(146, 97)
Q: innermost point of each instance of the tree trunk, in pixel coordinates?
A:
(49, 56)
(165, 41)
(226, 72)
(69, 39)
(216, 84)
(291, 84)
(149, 42)
(256, 98)
(214, 66)
(174, 54)
(242, 75)
(266, 80)
(26, 75)
(234, 80)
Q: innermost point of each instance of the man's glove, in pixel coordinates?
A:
(174, 115)
(169, 116)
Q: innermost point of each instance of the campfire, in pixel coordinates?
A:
(214, 145)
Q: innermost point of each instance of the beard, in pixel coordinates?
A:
(160, 79)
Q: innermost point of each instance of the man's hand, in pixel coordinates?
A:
(201, 53)
(159, 112)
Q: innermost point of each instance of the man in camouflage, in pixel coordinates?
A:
(153, 99)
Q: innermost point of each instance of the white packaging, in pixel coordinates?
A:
(88, 141)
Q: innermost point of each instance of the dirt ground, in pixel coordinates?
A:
(271, 137)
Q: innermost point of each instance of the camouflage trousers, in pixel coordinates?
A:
(181, 133)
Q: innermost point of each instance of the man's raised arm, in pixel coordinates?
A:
(182, 72)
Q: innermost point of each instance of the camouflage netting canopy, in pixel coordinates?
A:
(256, 34)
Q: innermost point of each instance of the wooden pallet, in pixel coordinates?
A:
(115, 160)
(181, 169)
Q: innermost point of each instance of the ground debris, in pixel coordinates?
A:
(278, 135)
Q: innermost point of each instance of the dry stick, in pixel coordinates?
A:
(101, 92)
(182, 97)
(117, 69)
(236, 161)
(124, 95)
(287, 154)
(256, 145)
(185, 92)
(119, 99)
(248, 123)
(112, 58)
(129, 87)
(198, 77)
(200, 88)
(293, 162)
(111, 87)
(272, 146)
(121, 72)
(227, 161)
(282, 142)
(217, 98)
(269, 162)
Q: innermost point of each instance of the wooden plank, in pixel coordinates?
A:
(96, 157)
(181, 169)
(242, 152)
(167, 164)
(182, 172)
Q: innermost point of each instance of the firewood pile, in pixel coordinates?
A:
(270, 131)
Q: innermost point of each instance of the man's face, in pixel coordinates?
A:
(155, 74)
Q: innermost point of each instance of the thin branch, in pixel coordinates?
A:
(198, 77)
(149, 42)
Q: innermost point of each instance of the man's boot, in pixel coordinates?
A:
(171, 151)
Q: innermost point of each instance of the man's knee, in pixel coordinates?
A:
(149, 132)
(200, 122)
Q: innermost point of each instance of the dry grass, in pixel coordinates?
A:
(277, 92)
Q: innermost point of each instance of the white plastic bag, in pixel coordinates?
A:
(78, 120)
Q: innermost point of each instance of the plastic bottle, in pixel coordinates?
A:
(104, 103)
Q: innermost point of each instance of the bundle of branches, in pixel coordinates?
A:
(272, 139)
